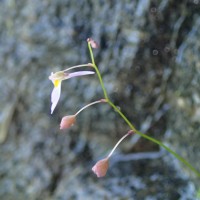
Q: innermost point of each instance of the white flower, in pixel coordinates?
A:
(57, 79)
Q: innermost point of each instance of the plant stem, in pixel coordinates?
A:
(131, 125)
(97, 71)
(155, 140)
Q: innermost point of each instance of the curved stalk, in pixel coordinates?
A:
(88, 105)
(127, 134)
(77, 66)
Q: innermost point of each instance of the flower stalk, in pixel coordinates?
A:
(69, 120)
(126, 135)
(90, 104)
(78, 66)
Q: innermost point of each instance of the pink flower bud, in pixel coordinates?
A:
(93, 43)
(67, 121)
(101, 167)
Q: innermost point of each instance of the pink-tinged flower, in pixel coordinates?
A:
(93, 43)
(57, 79)
(101, 167)
(67, 121)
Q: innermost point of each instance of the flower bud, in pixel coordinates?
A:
(101, 167)
(67, 121)
(93, 43)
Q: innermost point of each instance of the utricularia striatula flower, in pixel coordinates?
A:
(59, 76)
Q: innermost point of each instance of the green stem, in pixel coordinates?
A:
(131, 125)
(97, 71)
(154, 140)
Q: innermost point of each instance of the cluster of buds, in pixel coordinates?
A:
(101, 167)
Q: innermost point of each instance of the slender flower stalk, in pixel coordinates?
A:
(69, 120)
(78, 66)
(126, 135)
(90, 104)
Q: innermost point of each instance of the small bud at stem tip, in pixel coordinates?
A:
(93, 43)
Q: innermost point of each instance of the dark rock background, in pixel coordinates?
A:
(149, 59)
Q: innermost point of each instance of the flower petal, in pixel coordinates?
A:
(80, 73)
(55, 96)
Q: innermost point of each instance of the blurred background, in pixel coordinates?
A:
(149, 59)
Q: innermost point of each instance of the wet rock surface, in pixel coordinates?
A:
(148, 57)
(185, 98)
